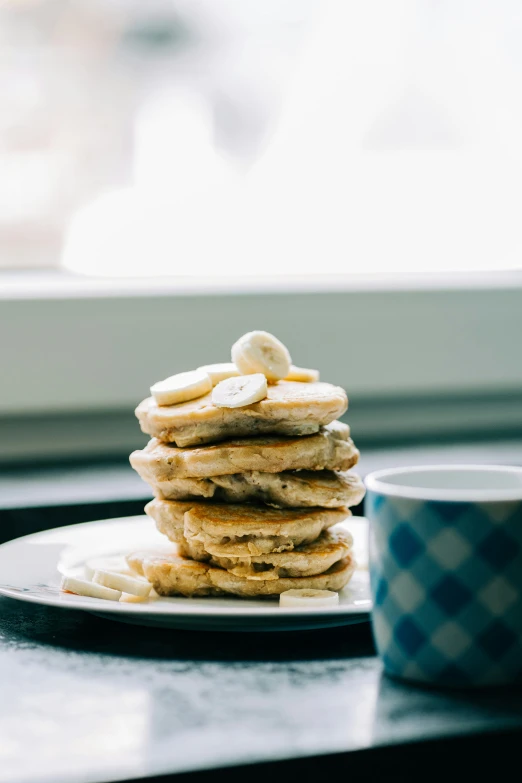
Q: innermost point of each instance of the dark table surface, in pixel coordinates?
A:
(85, 699)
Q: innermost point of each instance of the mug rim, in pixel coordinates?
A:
(376, 482)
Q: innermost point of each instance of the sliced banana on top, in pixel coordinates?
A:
(237, 392)
(302, 374)
(308, 598)
(220, 372)
(261, 352)
(181, 387)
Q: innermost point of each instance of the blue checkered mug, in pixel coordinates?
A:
(446, 573)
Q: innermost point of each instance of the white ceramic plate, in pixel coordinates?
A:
(31, 569)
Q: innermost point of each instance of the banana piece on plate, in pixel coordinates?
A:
(308, 598)
(238, 392)
(181, 387)
(89, 589)
(261, 352)
(126, 584)
(127, 598)
(302, 374)
(220, 372)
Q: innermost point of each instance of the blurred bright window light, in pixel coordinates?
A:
(397, 151)
(400, 147)
(175, 216)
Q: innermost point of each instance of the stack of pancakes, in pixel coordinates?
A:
(250, 495)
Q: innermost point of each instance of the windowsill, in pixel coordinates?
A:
(418, 356)
(58, 284)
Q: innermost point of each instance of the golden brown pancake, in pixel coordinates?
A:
(238, 530)
(175, 575)
(307, 560)
(290, 408)
(292, 489)
(331, 448)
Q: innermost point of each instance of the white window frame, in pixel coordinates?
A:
(416, 355)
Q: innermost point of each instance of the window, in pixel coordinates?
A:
(345, 175)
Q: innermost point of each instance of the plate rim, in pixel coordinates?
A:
(61, 600)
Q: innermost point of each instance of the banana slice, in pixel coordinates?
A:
(261, 352)
(302, 374)
(127, 598)
(237, 392)
(220, 372)
(115, 563)
(181, 387)
(308, 599)
(90, 589)
(126, 584)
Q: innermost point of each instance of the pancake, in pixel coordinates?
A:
(175, 575)
(331, 448)
(290, 408)
(305, 488)
(228, 530)
(307, 560)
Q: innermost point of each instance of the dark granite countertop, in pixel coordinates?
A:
(86, 700)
